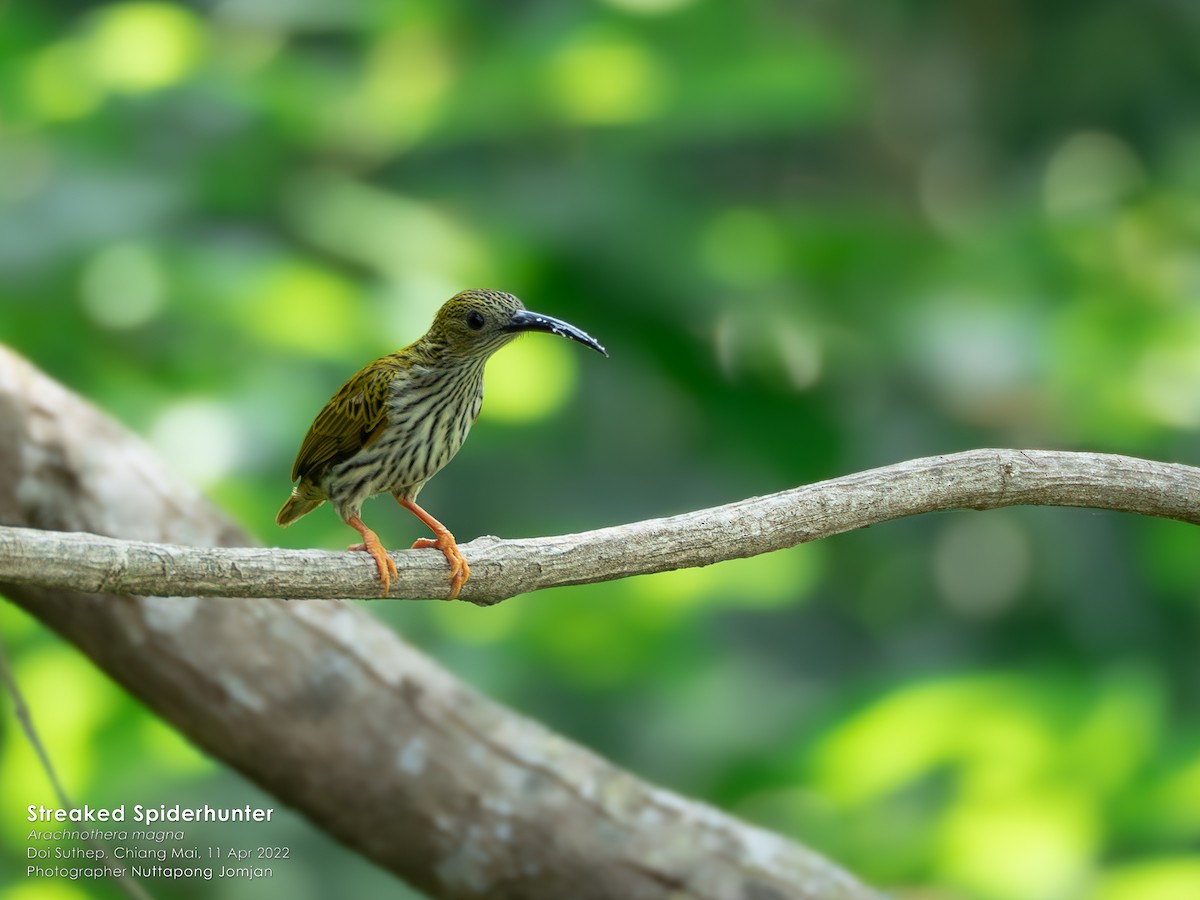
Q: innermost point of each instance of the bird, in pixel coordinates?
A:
(397, 421)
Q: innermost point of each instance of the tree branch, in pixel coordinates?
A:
(326, 708)
(976, 479)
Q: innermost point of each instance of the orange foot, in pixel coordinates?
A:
(384, 565)
(459, 570)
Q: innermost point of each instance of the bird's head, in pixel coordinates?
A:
(477, 323)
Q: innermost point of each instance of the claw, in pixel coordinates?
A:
(385, 566)
(459, 570)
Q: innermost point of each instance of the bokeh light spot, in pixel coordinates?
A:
(58, 83)
(978, 354)
(138, 47)
(530, 380)
(1167, 378)
(122, 286)
(1089, 173)
(650, 7)
(981, 564)
(306, 307)
(407, 75)
(605, 79)
(743, 247)
(200, 438)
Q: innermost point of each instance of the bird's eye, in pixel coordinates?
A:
(474, 320)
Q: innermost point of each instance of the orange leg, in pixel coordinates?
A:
(383, 563)
(444, 541)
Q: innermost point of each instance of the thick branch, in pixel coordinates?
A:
(977, 479)
(331, 712)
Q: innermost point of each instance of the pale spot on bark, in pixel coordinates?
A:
(467, 868)
(242, 694)
(413, 757)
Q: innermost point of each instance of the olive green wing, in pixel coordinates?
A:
(349, 421)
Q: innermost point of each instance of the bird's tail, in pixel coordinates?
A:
(300, 504)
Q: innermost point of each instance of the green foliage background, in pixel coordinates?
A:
(815, 237)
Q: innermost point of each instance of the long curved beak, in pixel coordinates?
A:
(524, 320)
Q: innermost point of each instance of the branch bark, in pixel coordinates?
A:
(336, 716)
(976, 479)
